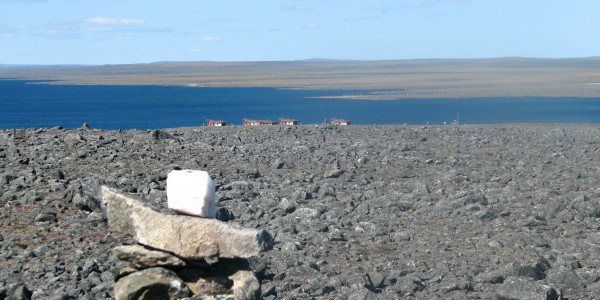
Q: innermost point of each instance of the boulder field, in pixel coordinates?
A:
(505, 211)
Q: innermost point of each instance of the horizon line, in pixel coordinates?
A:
(315, 60)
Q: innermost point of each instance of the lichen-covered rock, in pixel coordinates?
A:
(186, 236)
(245, 285)
(142, 257)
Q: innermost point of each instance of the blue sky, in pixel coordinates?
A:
(140, 31)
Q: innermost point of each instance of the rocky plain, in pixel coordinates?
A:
(356, 212)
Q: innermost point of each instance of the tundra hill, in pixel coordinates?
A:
(420, 78)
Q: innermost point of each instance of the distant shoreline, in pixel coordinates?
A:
(408, 79)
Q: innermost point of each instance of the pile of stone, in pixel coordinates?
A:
(189, 254)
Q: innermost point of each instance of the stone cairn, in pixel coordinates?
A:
(189, 254)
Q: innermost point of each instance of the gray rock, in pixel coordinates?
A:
(121, 269)
(20, 292)
(245, 285)
(408, 285)
(89, 266)
(287, 206)
(223, 214)
(494, 276)
(526, 289)
(565, 279)
(142, 257)
(532, 266)
(161, 135)
(364, 294)
(202, 283)
(85, 202)
(376, 279)
(299, 196)
(46, 217)
(278, 164)
(154, 283)
(333, 174)
(185, 236)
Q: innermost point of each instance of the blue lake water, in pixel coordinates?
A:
(25, 105)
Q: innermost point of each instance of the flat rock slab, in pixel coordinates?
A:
(142, 257)
(185, 236)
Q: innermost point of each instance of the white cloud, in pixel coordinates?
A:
(432, 3)
(116, 22)
(69, 29)
(297, 7)
(23, 1)
(10, 31)
(360, 18)
(210, 38)
(380, 8)
(311, 25)
(442, 2)
(75, 29)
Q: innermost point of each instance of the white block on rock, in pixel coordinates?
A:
(191, 192)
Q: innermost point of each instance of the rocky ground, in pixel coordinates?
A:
(357, 212)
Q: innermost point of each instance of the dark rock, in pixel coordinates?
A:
(278, 164)
(408, 285)
(59, 174)
(533, 267)
(121, 269)
(565, 279)
(202, 282)
(250, 173)
(333, 174)
(494, 276)
(85, 202)
(21, 292)
(299, 196)
(46, 217)
(522, 288)
(161, 135)
(88, 267)
(142, 257)
(223, 214)
(287, 206)
(486, 215)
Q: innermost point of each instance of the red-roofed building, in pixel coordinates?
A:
(283, 121)
(340, 122)
(248, 122)
(216, 123)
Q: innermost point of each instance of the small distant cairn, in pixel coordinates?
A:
(189, 254)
